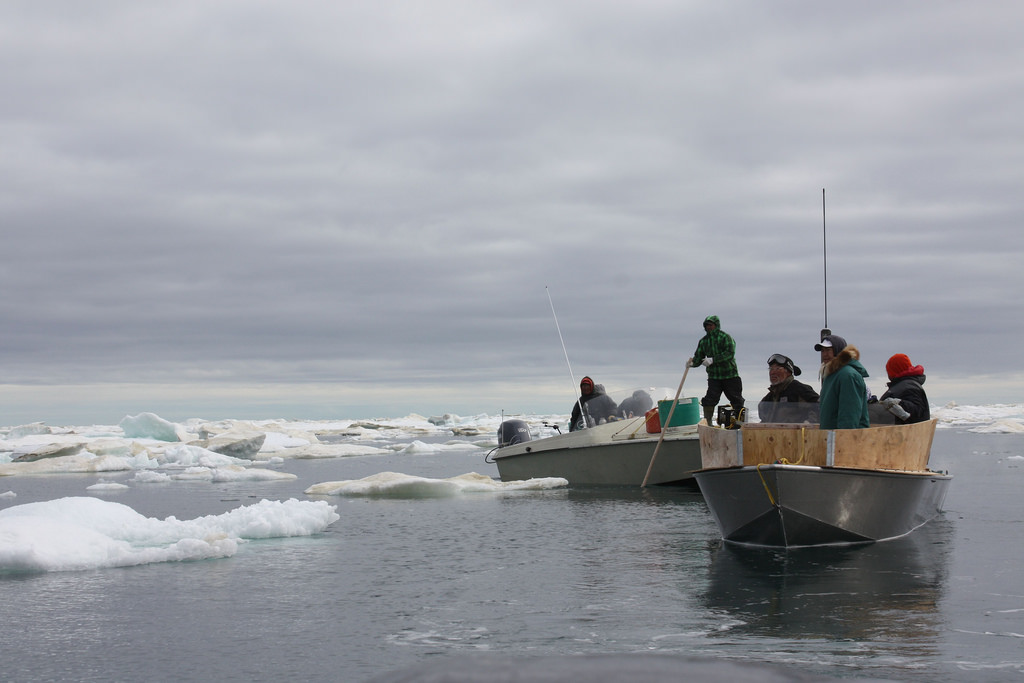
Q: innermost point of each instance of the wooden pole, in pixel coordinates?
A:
(668, 421)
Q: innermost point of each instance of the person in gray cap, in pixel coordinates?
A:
(830, 346)
(844, 394)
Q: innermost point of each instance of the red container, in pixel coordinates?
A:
(653, 421)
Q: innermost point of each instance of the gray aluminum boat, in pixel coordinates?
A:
(612, 454)
(795, 485)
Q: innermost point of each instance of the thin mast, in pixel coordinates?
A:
(824, 253)
(579, 400)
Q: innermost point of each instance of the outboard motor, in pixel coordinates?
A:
(513, 432)
(730, 418)
(726, 416)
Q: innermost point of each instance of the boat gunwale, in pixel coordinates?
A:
(578, 440)
(824, 468)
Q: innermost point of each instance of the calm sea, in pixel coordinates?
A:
(400, 582)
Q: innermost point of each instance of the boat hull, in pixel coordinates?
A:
(795, 505)
(613, 454)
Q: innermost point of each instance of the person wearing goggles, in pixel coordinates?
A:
(788, 399)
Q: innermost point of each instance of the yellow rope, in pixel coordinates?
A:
(783, 461)
(641, 423)
(803, 444)
(765, 484)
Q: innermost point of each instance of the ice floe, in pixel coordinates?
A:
(87, 533)
(398, 485)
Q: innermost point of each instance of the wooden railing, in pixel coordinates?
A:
(891, 447)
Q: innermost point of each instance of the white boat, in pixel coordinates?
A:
(617, 453)
(793, 485)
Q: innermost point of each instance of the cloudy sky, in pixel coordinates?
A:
(327, 209)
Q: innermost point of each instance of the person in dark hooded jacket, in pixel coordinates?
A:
(593, 403)
(717, 352)
(635, 405)
(906, 390)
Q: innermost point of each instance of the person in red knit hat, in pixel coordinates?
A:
(905, 397)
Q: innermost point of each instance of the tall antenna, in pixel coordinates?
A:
(824, 260)
(572, 377)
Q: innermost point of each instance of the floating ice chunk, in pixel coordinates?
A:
(953, 415)
(445, 420)
(9, 494)
(47, 545)
(86, 462)
(237, 473)
(28, 430)
(107, 486)
(461, 446)
(119, 447)
(151, 477)
(237, 444)
(194, 474)
(419, 448)
(35, 451)
(398, 485)
(195, 456)
(273, 519)
(149, 426)
(276, 442)
(231, 473)
(88, 533)
(336, 450)
(1006, 426)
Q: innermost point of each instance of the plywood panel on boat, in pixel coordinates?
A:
(898, 447)
(719, 447)
(792, 444)
(902, 447)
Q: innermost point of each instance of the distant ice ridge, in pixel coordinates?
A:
(215, 451)
(87, 533)
(999, 418)
(239, 449)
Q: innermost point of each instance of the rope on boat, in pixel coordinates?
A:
(783, 461)
(766, 489)
(803, 444)
(641, 422)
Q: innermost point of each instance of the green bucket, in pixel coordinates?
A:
(687, 412)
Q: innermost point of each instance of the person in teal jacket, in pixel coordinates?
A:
(717, 352)
(844, 398)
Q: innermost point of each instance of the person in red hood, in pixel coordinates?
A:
(906, 390)
(593, 407)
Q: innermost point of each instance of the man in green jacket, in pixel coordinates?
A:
(717, 352)
(844, 396)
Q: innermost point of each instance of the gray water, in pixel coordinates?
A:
(398, 582)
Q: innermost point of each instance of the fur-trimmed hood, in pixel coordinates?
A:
(848, 355)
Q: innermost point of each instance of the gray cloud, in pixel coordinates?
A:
(242, 200)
